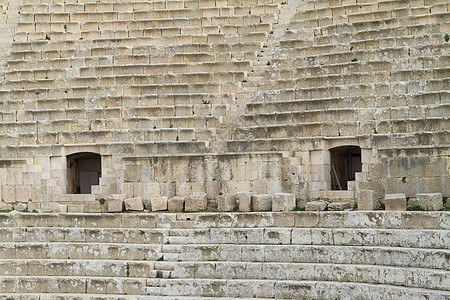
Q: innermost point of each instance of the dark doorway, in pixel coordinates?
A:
(83, 171)
(345, 162)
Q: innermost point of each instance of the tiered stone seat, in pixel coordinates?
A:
(191, 256)
(336, 57)
(167, 53)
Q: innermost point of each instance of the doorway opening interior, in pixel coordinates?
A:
(83, 171)
(345, 162)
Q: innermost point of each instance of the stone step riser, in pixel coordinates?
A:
(80, 251)
(422, 278)
(92, 268)
(344, 220)
(175, 238)
(81, 285)
(287, 289)
(401, 257)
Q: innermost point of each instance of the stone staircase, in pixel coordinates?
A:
(310, 255)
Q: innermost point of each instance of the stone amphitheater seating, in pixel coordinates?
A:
(326, 255)
(216, 98)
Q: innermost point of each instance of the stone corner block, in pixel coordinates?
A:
(262, 202)
(176, 203)
(315, 206)
(196, 202)
(226, 202)
(367, 200)
(283, 202)
(114, 205)
(244, 201)
(395, 202)
(159, 203)
(430, 201)
(134, 204)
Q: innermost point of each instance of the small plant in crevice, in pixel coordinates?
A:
(351, 48)
(446, 37)
(382, 206)
(128, 270)
(404, 179)
(243, 80)
(102, 201)
(354, 60)
(268, 63)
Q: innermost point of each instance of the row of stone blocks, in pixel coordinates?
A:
(35, 236)
(329, 219)
(243, 201)
(425, 201)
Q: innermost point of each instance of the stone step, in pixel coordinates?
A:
(419, 238)
(371, 255)
(80, 250)
(71, 284)
(286, 289)
(409, 277)
(285, 102)
(341, 220)
(428, 239)
(77, 267)
(94, 235)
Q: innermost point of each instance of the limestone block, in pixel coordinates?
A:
(176, 203)
(283, 202)
(226, 202)
(315, 206)
(244, 201)
(338, 206)
(395, 202)
(115, 202)
(5, 206)
(367, 200)
(196, 202)
(93, 206)
(75, 208)
(9, 193)
(159, 203)
(430, 201)
(262, 202)
(34, 206)
(134, 204)
(53, 207)
(23, 193)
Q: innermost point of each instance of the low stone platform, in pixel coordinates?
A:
(264, 255)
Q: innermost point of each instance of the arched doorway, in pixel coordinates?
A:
(83, 171)
(345, 162)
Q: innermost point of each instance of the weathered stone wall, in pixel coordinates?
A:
(223, 96)
(286, 255)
